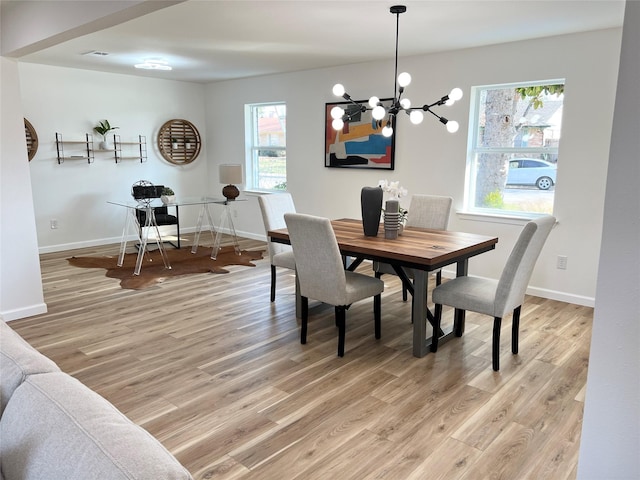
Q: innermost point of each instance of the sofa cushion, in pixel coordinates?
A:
(17, 360)
(56, 428)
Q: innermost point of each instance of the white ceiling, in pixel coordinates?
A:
(211, 40)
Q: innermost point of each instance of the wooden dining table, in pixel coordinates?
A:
(420, 249)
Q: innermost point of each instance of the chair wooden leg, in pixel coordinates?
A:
(497, 323)
(377, 314)
(273, 283)
(515, 327)
(304, 313)
(436, 326)
(340, 319)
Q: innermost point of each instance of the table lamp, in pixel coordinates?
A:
(230, 175)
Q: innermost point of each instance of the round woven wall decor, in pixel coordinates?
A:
(179, 142)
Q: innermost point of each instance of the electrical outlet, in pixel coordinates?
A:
(53, 223)
(562, 262)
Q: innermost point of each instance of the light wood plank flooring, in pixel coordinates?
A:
(217, 373)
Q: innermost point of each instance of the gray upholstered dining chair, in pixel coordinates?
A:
(497, 298)
(273, 208)
(425, 211)
(321, 274)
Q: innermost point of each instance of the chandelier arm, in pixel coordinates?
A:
(440, 102)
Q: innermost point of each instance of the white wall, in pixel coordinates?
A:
(610, 442)
(20, 280)
(429, 160)
(75, 193)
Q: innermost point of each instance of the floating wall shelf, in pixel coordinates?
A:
(141, 150)
(76, 146)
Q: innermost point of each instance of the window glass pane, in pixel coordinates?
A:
(514, 152)
(268, 155)
(272, 169)
(272, 123)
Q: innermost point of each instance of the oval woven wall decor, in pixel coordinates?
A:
(32, 139)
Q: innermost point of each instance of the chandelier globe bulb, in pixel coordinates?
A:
(404, 79)
(387, 131)
(338, 90)
(416, 117)
(405, 103)
(337, 112)
(378, 112)
(337, 124)
(456, 94)
(373, 101)
(452, 126)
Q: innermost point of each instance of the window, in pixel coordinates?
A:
(266, 146)
(513, 147)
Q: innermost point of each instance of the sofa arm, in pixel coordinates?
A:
(54, 427)
(18, 359)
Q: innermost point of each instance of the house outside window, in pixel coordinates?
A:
(266, 139)
(514, 137)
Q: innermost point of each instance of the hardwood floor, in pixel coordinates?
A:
(217, 373)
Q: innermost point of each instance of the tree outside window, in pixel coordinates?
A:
(267, 147)
(513, 155)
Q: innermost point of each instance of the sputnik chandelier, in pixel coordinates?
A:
(379, 111)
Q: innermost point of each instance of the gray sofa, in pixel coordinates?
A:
(52, 427)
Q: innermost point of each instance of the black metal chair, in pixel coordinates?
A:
(144, 193)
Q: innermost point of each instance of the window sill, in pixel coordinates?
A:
(510, 218)
(256, 193)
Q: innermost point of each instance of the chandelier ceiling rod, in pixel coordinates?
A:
(397, 10)
(379, 110)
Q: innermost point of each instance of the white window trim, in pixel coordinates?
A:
(249, 147)
(485, 214)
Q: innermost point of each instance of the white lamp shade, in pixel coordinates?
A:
(230, 174)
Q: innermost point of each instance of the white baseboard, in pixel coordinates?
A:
(24, 312)
(116, 240)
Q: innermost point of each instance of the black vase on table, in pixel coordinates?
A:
(371, 202)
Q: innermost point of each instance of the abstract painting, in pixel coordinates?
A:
(360, 143)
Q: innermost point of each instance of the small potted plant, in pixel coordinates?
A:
(103, 128)
(187, 143)
(167, 196)
(174, 143)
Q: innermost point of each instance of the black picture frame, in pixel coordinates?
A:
(360, 144)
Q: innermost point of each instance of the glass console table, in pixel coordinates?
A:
(205, 221)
